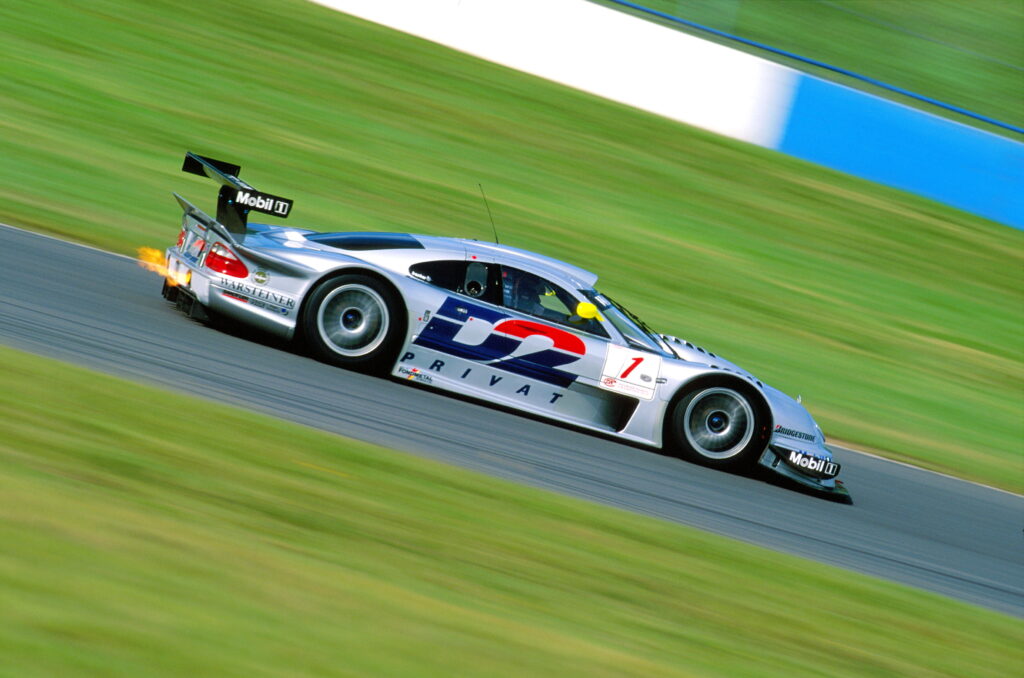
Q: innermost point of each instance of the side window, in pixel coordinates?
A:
(473, 279)
(533, 295)
(444, 274)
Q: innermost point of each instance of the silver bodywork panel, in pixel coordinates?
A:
(486, 350)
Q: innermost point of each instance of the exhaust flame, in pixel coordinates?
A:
(153, 260)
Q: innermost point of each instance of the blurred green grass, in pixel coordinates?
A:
(969, 54)
(898, 320)
(153, 534)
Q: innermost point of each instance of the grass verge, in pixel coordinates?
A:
(898, 320)
(154, 534)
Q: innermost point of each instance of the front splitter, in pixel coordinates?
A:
(836, 492)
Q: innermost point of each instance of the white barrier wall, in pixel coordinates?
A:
(664, 71)
(607, 53)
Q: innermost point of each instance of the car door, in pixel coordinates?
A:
(556, 345)
(474, 323)
(484, 340)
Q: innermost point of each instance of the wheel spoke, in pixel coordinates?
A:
(718, 423)
(353, 320)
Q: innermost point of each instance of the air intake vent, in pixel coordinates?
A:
(367, 241)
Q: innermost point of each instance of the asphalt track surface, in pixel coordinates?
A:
(924, 529)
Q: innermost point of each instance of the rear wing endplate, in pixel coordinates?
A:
(236, 198)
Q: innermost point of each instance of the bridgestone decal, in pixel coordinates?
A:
(793, 433)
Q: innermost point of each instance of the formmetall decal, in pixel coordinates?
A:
(415, 374)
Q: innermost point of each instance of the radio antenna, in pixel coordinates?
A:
(489, 215)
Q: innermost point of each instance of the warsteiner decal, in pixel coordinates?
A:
(523, 347)
(257, 292)
(255, 302)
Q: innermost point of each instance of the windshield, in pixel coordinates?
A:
(629, 325)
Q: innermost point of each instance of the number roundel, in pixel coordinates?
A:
(631, 372)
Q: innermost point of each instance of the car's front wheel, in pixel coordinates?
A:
(720, 425)
(354, 321)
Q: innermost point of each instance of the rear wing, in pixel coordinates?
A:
(234, 202)
(236, 198)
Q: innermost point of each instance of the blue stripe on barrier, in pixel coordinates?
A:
(883, 141)
(821, 64)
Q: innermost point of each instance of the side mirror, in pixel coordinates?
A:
(586, 310)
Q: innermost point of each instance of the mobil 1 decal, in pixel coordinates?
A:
(524, 347)
(264, 202)
(634, 373)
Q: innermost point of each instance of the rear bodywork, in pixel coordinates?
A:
(464, 345)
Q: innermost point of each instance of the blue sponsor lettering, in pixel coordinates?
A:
(478, 333)
(438, 366)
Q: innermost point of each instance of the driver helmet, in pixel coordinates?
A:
(521, 290)
(527, 291)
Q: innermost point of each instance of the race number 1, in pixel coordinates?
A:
(636, 362)
(633, 373)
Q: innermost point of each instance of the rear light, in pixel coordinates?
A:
(223, 260)
(181, 238)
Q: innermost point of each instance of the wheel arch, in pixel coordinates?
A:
(711, 380)
(347, 270)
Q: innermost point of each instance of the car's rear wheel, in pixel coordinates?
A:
(354, 321)
(720, 425)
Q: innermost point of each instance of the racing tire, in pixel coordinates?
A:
(354, 321)
(722, 425)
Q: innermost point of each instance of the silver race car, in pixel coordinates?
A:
(489, 321)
